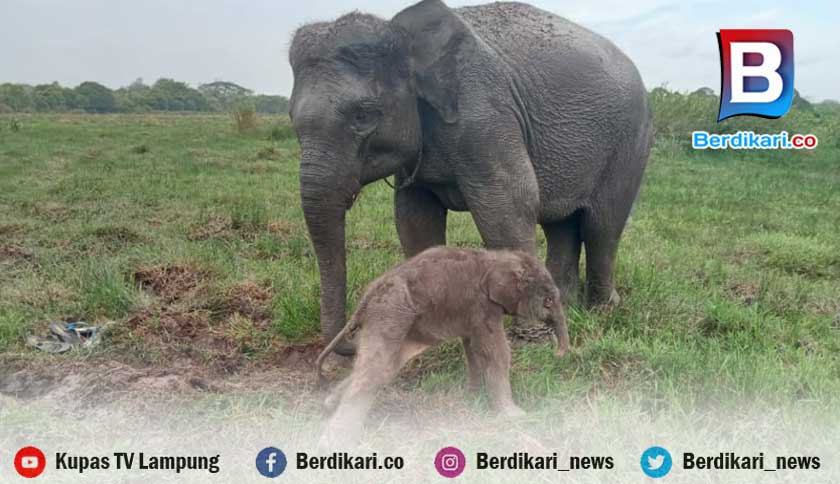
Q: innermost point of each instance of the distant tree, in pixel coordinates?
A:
(137, 85)
(660, 91)
(134, 98)
(95, 98)
(224, 89)
(271, 104)
(828, 106)
(170, 95)
(53, 97)
(15, 97)
(137, 97)
(704, 92)
(801, 103)
(224, 96)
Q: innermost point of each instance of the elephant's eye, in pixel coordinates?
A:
(364, 119)
(549, 301)
(361, 117)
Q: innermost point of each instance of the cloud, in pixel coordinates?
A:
(198, 41)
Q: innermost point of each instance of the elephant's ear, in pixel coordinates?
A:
(439, 41)
(505, 285)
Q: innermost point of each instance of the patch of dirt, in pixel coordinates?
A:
(90, 383)
(171, 282)
(300, 357)
(9, 229)
(270, 153)
(224, 227)
(246, 299)
(213, 228)
(713, 328)
(259, 167)
(808, 346)
(215, 329)
(91, 155)
(283, 228)
(115, 237)
(14, 252)
(825, 306)
(364, 243)
(187, 333)
(101, 381)
(289, 377)
(745, 292)
(171, 325)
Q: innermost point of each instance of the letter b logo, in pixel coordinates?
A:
(756, 72)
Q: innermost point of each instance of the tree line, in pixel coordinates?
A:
(138, 97)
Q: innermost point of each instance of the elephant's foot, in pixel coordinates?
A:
(346, 348)
(570, 293)
(602, 297)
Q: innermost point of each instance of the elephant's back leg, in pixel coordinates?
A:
(420, 219)
(378, 361)
(606, 213)
(563, 255)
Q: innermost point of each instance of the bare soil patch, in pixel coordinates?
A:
(283, 228)
(95, 382)
(14, 252)
(215, 328)
(170, 283)
(214, 227)
(247, 299)
(745, 292)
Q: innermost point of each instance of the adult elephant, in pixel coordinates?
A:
(512, 113)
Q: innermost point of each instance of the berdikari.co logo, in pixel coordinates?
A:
(756, 79)
(756, 72)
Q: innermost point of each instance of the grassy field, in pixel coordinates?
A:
(189, 236)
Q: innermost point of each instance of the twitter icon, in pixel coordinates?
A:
(656, 462)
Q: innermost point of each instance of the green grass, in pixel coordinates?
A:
(729, 270)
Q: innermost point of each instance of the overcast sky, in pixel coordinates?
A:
(197, 41)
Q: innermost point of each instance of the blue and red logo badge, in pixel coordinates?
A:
(756, 72)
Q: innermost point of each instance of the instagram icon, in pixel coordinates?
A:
(450, 462)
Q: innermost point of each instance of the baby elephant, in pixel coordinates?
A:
(439, 294)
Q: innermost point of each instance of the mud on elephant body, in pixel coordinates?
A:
(440, 294)
(512, 113)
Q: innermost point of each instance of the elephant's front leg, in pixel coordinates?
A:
(492, 356)
(420, 219)
(502, 194)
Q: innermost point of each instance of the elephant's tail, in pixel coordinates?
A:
(348, 328)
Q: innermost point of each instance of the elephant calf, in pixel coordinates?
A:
(439, 294)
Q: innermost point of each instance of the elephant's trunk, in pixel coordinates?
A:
(561, 330)
(325, 198)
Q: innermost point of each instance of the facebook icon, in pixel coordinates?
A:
(271, 462)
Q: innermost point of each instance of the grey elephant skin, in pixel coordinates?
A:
(440, 294)
(512, 113)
